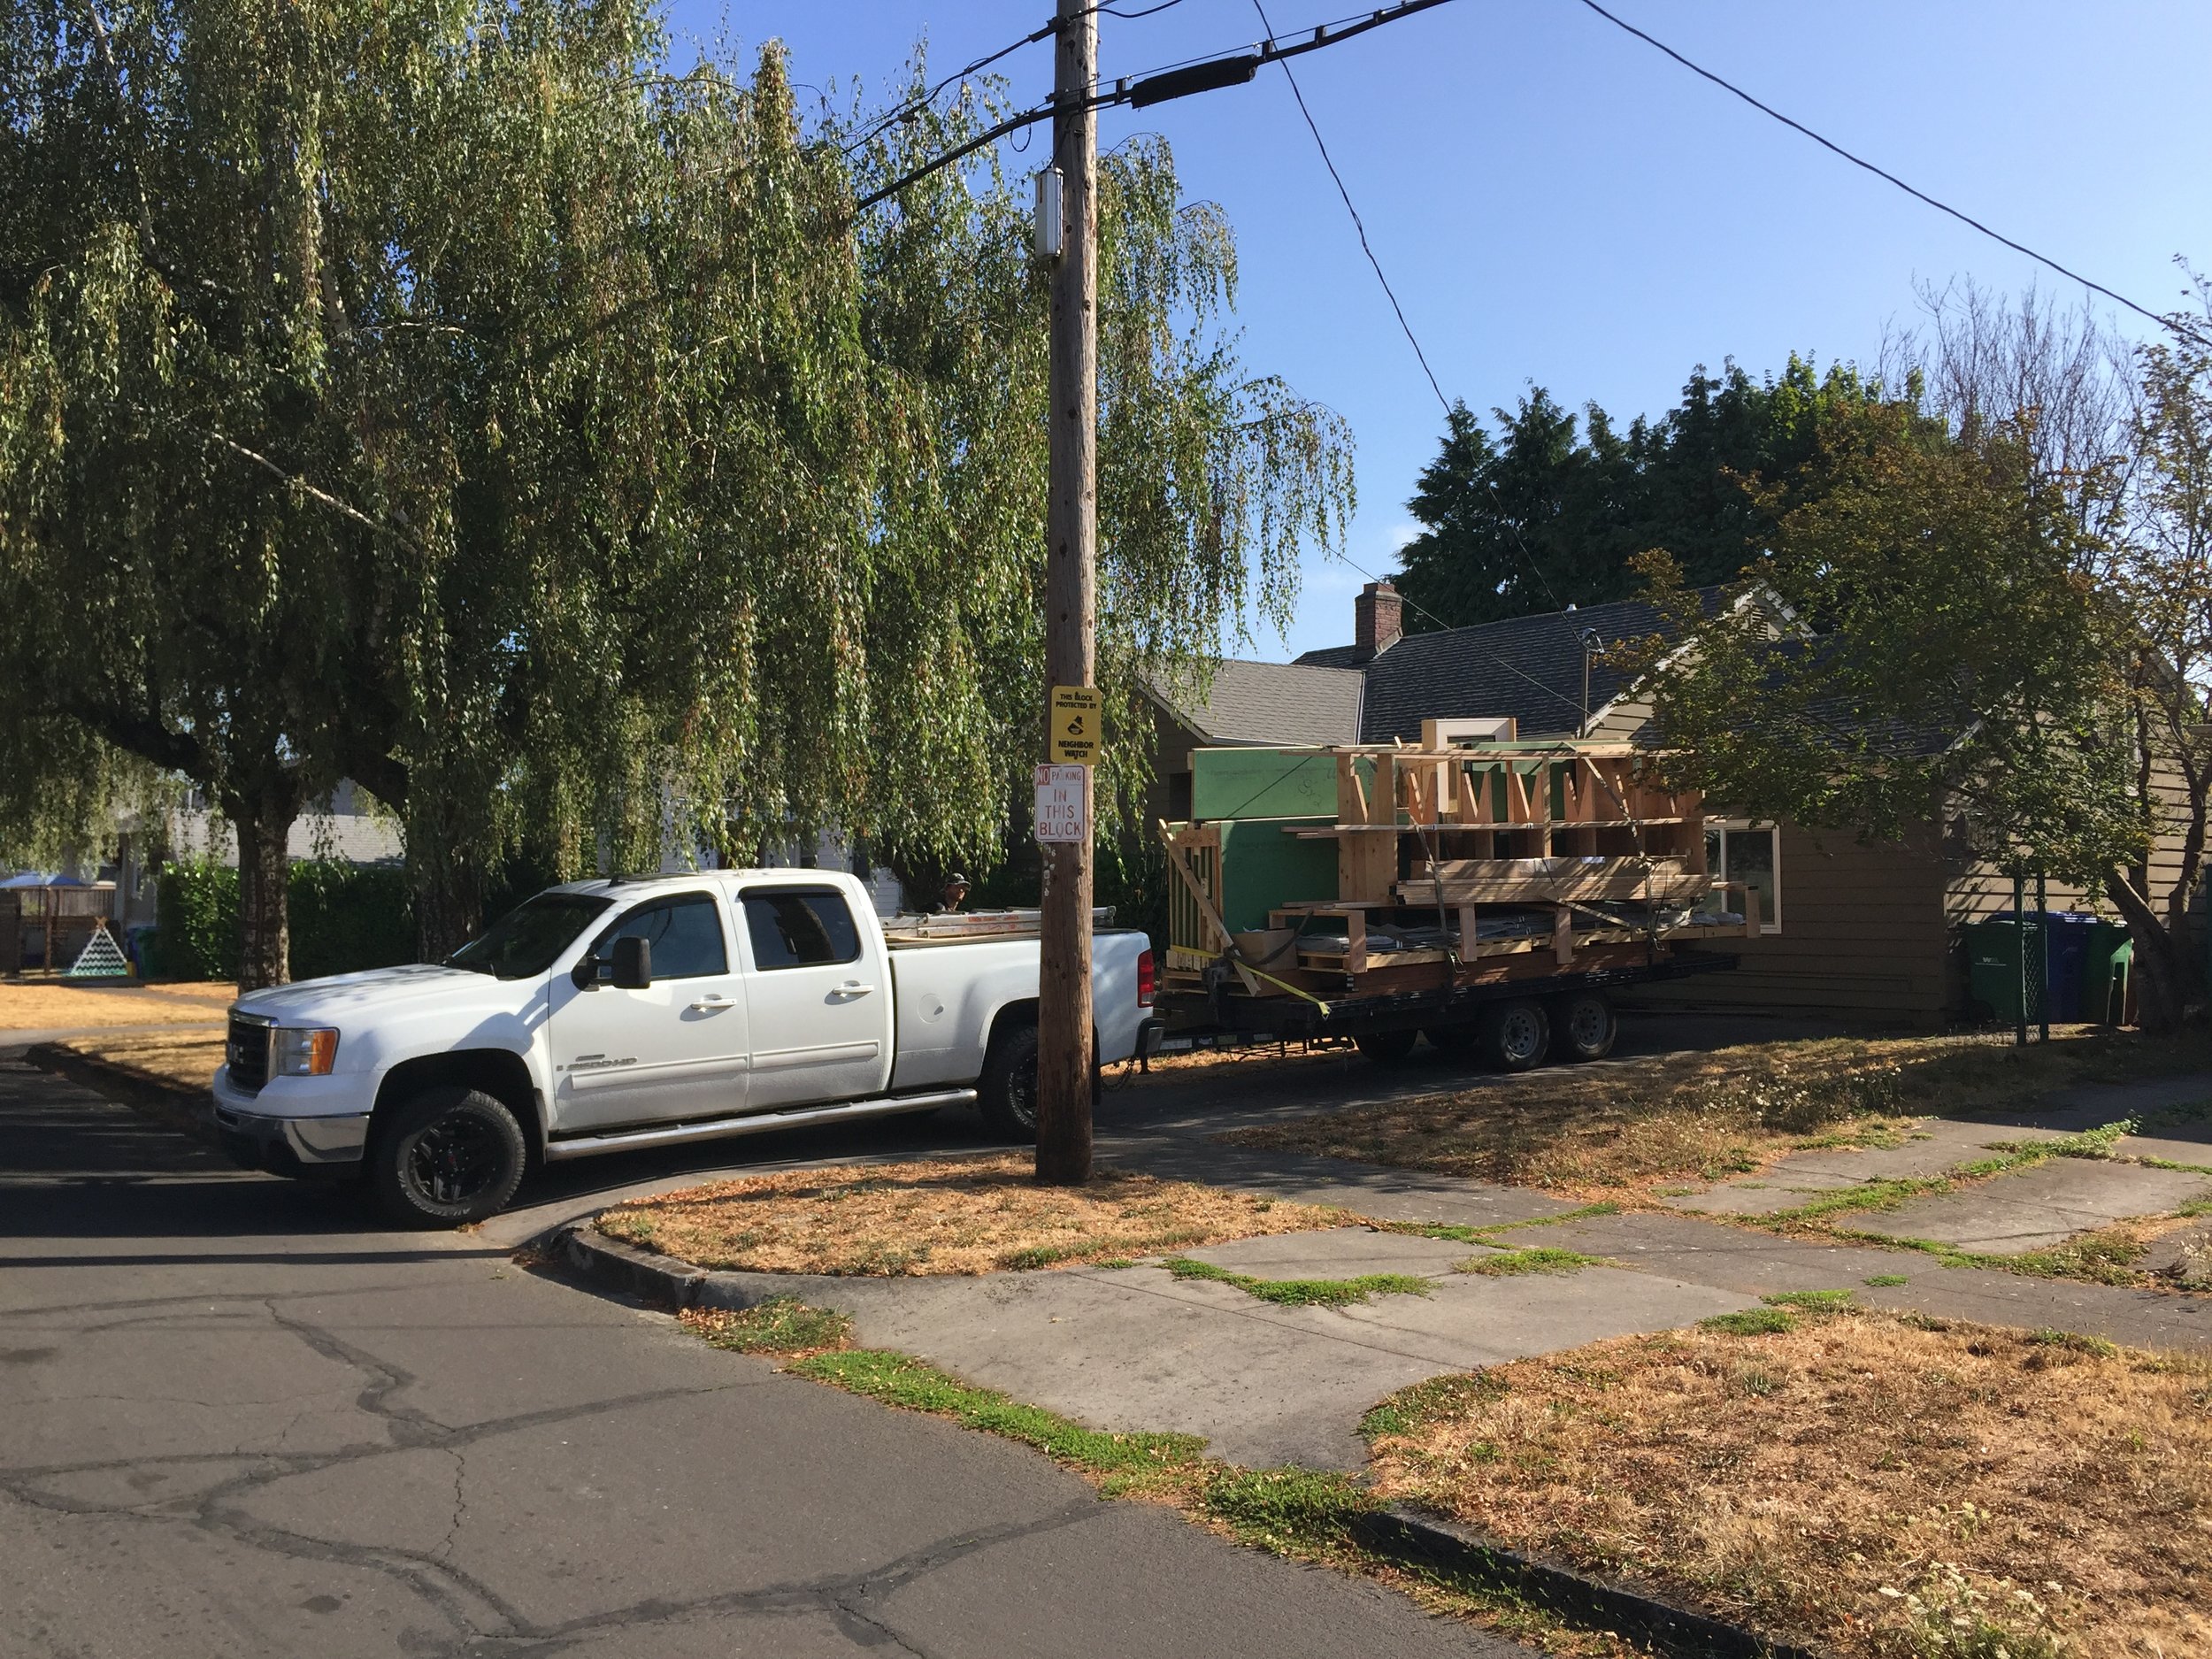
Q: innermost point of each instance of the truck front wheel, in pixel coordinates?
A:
(1515, 1034)
(1007, 1090)
(447, 1157)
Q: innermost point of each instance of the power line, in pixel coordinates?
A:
(1891, 178)
(1329, 162)
(1359, 226)
(1196, 74)
(915, 106)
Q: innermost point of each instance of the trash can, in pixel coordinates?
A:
(2105, 967)
(1992, 964)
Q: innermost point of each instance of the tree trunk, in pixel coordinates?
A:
(448, 900)
(2162, 975)
(265, 907)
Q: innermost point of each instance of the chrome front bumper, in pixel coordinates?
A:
(293, 1145)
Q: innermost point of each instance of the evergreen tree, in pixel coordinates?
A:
(1540, 515)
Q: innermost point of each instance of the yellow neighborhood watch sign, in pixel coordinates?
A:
(1075, 723)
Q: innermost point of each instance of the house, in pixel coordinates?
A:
(1867, 931)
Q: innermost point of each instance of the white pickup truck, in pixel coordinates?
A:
(650, 1011)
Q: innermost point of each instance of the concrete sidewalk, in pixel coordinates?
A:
(1136, 1348)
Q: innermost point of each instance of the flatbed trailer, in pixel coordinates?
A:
(1452, 1016)
(1490, 895)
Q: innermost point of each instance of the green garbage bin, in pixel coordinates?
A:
(2104, 974)
(1993, 968)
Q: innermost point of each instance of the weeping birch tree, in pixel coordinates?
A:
(467, 401)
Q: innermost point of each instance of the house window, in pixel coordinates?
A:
(1737, 849)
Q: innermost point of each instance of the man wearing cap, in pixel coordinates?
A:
(955, 893)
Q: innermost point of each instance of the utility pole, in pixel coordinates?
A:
(1063, 993)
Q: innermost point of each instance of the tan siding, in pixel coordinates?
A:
(1862, 937)
(1981, 890)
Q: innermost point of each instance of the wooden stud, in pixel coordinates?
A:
(1474, 801)
(1517, 804)
(1562, 935)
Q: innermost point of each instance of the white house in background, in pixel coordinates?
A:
(346, 828)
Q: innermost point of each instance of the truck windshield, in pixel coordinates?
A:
(526, 940)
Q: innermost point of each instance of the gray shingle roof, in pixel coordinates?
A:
(1272, 703)
(1527, 667)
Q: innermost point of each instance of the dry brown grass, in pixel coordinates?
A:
(952, 1216)
(183, 1059)
(46, 1005)
(1614, 1131)
(1867, 1483)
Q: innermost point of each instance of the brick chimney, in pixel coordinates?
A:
(1377, 616)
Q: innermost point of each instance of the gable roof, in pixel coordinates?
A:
(1271, 703)
(1527, 667)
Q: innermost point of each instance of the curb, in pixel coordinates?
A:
(1433, 1546)
(662, 1281)
(189, 1112)
(1424, 1544)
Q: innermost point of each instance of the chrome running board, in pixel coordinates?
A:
(754, 1123)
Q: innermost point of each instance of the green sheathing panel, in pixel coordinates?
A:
(1231, 783)
(1264, 867)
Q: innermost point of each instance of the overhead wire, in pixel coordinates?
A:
(1125, 87)
(1406, 327)
(1358, 225)
(1830, 144)
(915, 106)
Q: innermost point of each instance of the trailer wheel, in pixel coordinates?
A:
(1583, 1026)
(1385, 1048)
(1455, 1039)
(1515, 1035)
(1007, 1090)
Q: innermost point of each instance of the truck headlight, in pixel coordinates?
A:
(306, 1053)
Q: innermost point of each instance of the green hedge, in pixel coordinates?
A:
(345, 917)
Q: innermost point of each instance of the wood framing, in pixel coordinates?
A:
(1429, 842)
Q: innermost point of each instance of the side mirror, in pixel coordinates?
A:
(632, 965)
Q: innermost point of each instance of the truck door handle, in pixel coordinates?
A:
(712, 1000)
(853, 988)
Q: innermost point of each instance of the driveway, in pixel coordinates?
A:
(235, 1420)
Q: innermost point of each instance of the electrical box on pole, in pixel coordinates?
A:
(1045, 236)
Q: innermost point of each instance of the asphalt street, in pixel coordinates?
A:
(237, 1420)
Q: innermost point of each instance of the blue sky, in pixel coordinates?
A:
(1557, 203)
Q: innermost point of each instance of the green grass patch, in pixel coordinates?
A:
(1867, 1195)
(2185, 1169)
(1506, 1263)
(1751, 1322)
(899, 1379)
(783, 1324)
(1456, 1234)
(1300, 1512)
(1886, 1282)
(1305, 1292)
(2094, 1258)
(1810, 1301)
(1414, 1408)
(2051, 1337)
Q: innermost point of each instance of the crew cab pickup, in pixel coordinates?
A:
(607, 1015)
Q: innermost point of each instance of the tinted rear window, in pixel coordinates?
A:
(801, 928)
